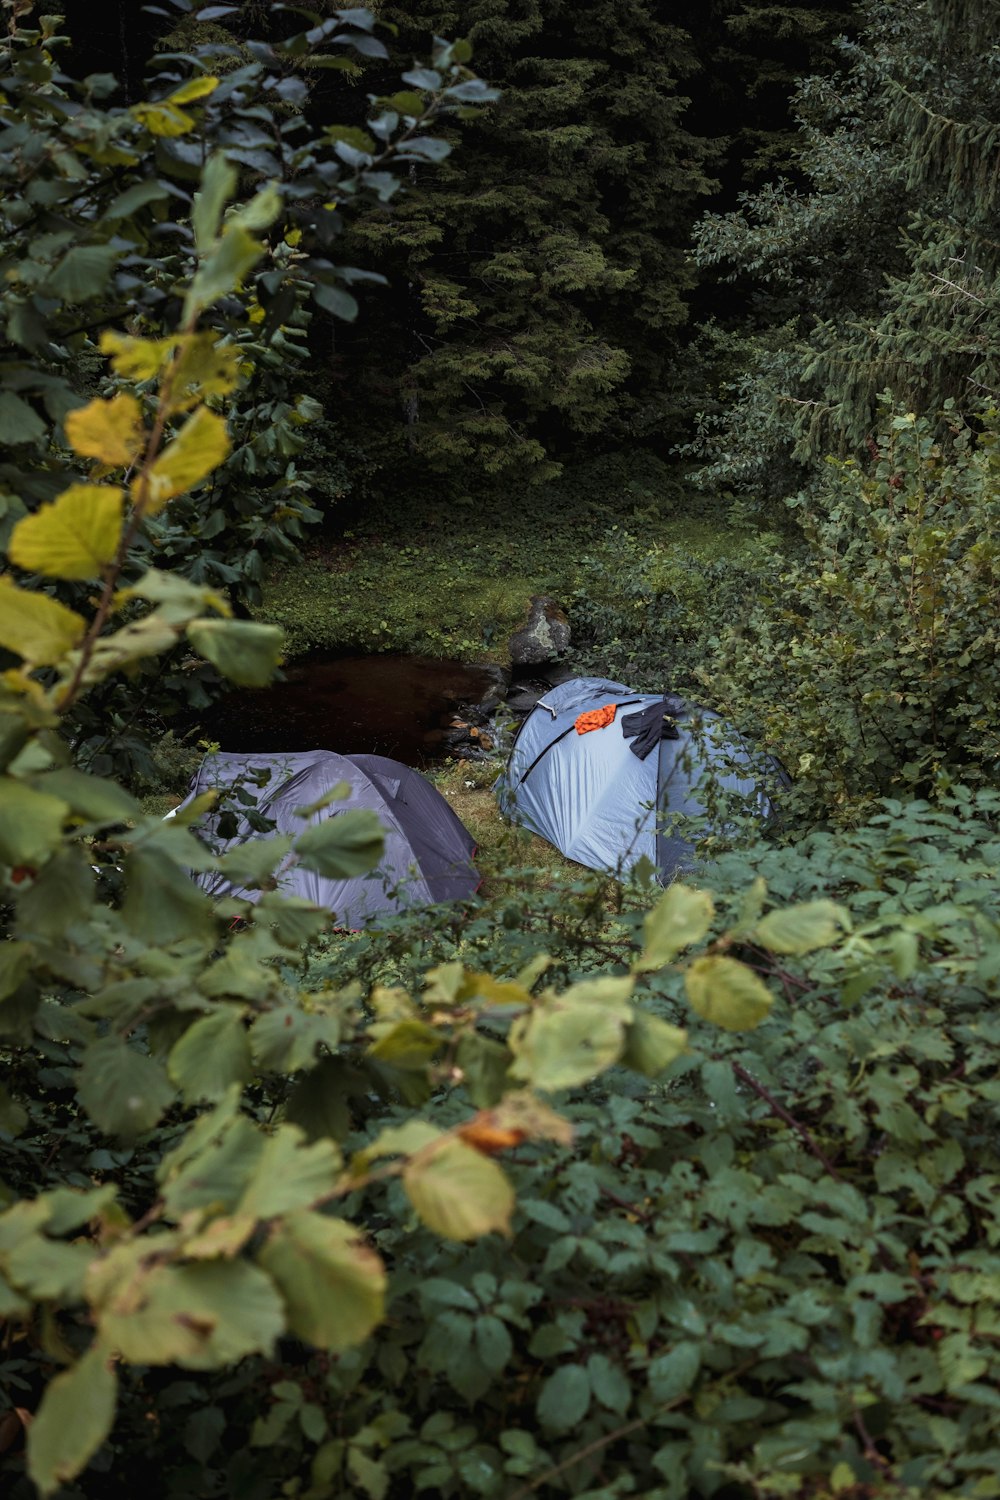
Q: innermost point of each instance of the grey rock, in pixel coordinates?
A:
(544, 635)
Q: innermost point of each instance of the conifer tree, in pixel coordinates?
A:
(884, 272)
(539, 277)
(753, 55)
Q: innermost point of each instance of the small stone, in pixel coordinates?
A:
(544, 635)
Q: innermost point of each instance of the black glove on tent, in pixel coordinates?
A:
(606, 807)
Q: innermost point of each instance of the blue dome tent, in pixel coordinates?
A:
(610, 795)
(428, 850)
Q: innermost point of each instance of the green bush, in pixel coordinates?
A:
(871, 668)
(649, 611)
(772, 1274)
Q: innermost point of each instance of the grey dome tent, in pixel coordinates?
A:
(604, 804)
(428, 850)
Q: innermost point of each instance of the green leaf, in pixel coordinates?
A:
(212, 1055)
(244, 652)
(30, 823)
(286, 1039)
(564, 1399)
(333, 299)
(90, 797)
(343, 845)
(254, 862)
(609, 1383)
(161, 902)
(560, 1046)
(332, 1282)
(681, 917)
(49, 1270)
(260, 213)
(727, 993)
(61, 894)
(123, 1091)
(673, 1374)
(318, 1103)
(35, 627)
(13, 1116)
(16, 960)
(409, 1045)
(197, 1316)
(211, 1166)
(493, 1343)
(218, 184)
(290, 1174)
(459, 1193)
(83, 272)
(19, 423)
(222, 272)
(652, 1045)
(802, 929)
(74, 1419)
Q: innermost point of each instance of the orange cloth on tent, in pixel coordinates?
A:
(596, 718)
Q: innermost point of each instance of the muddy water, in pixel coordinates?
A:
(392, 705)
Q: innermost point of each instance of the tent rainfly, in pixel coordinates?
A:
(608, 795)
(428, 850)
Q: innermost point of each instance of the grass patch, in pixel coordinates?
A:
(453, 578)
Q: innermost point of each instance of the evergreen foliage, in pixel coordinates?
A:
(882, 273)
(538, 280)
(753, 54)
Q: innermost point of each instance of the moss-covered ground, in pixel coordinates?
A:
(454, 578)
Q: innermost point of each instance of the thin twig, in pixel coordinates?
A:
(782, 1113)
(594, 1447)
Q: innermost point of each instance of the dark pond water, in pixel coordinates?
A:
(392, 705)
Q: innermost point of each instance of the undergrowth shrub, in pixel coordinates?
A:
(871, 667)
(649, 611)
(772, 1274)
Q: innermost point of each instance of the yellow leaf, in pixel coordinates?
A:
(203, 367)
(163, 119)
(195, 88)
(109, 430)
(38, 629)
(727, 993)
(199, 447)
(136, 359)
(75, 537)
